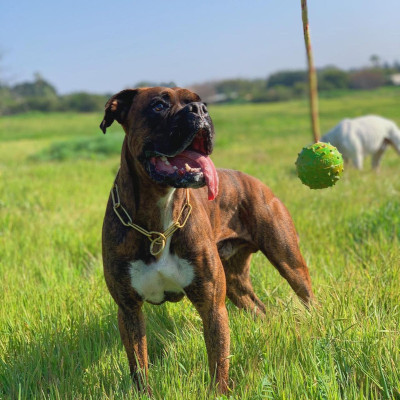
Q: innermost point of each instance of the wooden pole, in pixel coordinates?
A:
(312, 76)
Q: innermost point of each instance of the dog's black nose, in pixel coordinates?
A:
(198, 108)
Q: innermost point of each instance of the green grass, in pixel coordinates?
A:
(58, 333)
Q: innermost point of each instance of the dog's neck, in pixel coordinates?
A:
(157, 209)
(394, 138)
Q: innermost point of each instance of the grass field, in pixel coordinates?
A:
(58, 333)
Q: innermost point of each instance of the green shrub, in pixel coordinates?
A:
(81, 148)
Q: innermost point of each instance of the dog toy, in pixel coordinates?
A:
(319, 165)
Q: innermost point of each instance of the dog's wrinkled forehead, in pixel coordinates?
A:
(129, 104)
(173, 96)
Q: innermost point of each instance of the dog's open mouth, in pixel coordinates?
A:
(190, 168)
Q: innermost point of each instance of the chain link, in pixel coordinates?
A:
(158, 239)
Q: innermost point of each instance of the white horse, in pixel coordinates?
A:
(359, 137)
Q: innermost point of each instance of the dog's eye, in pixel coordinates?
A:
(159, 106)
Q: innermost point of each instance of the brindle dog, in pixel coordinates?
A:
(165, 174)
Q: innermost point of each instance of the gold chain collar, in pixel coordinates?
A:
(157, 239)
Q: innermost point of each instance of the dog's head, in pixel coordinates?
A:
(170, 132)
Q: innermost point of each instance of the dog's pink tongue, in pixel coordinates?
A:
(209, 171)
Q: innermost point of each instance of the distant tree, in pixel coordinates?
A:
(8, 103)
(375, 60)
(286, 78)
(38, 88)
(206, 91)
(276, 93)
(366, 79)
(332, 78)
(83, 102)
(7, 99)
(233, 88)
(40, 103)
(300, 89)
(240, 89)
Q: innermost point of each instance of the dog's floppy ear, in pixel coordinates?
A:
(117, 107)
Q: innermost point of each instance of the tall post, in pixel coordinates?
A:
(312, 76)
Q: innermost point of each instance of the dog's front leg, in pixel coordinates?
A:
(209, 299)
(216, 336)
(133, 334)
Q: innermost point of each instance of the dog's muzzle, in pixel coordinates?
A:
(180, 158)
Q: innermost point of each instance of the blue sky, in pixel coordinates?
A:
(105, 46)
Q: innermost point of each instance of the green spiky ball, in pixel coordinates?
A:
(319, 165)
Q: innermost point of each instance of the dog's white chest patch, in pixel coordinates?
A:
(168, 274)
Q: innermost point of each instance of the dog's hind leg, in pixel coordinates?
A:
(238, 284)
(274, 233)
(376, 157)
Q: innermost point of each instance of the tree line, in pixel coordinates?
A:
(40, 95)
(292, 84)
